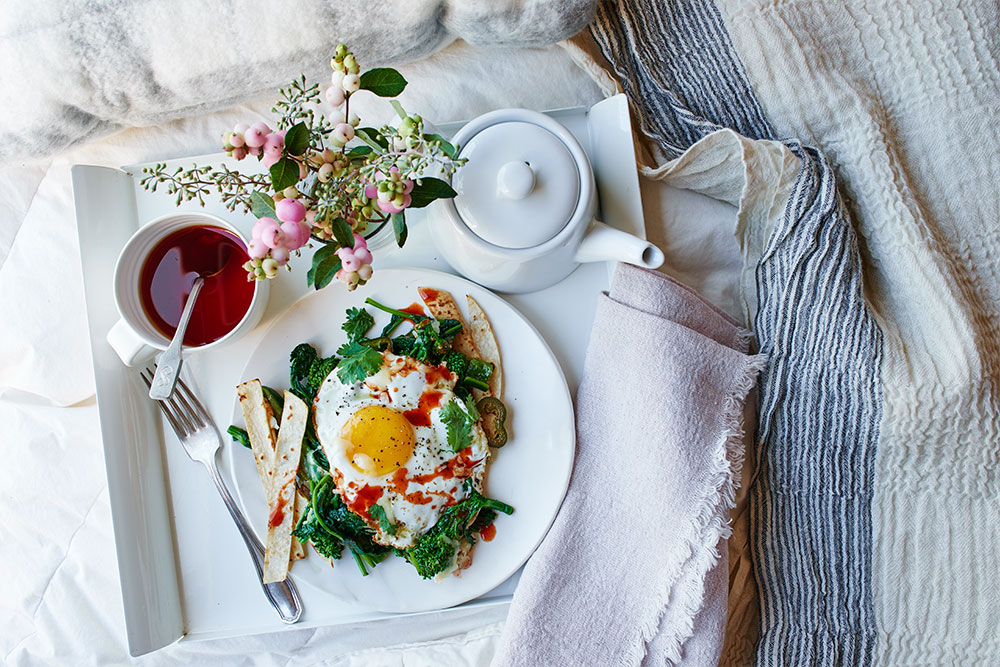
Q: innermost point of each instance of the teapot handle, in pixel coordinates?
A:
(605, 243)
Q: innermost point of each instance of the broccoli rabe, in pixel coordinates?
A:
(325, 543)
(456, 362)
(331, 518)
(308, 370)
(435, 551)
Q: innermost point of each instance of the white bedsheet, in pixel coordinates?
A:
(59, 597)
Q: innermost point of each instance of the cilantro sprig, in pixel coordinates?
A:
(377, 512)
(358, 322)
(357, 362)
(458, 418)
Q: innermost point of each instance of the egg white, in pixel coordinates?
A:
(399, 385)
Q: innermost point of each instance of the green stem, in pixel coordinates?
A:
(413, 317)
(399, 109)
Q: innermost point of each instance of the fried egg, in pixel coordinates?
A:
(388, 446)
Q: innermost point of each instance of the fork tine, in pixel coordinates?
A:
(168, 408)
(197, 409)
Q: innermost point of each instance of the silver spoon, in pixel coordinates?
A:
(168, 366)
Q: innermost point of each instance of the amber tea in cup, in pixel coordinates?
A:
(168, 274)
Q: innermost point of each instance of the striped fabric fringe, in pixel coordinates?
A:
(820, 394)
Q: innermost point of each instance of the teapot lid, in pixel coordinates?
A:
(520, 187)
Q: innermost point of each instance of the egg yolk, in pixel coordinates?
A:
(379, 440)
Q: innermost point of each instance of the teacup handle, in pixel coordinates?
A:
(131, 349)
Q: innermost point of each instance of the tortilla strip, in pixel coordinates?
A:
(486, 343)
(443, 307)
(281, 500)
(257, 415)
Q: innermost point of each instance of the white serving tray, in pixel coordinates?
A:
(184, 571)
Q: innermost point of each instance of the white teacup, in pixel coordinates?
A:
(134, 337)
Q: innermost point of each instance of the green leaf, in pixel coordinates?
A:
(377, 512)
(261, 205)
(357, 362)
(428, 190)
(343, 233)
(297, 139)
(284, 172)
(383, 81)
(448, 148)
(325, 265)
(399, 228)
(358, 322)
(370, 136)
(360, 150)
(458, 425)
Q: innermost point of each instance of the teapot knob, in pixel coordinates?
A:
(515, 180)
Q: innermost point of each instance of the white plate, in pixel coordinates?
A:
(531, 472)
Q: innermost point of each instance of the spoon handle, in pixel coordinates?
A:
(168, 366)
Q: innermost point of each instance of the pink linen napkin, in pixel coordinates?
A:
(633, 570)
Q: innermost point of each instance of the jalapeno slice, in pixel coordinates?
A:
(493, 414)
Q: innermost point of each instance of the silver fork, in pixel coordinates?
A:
(197, 432)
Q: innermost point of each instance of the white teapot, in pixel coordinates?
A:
(524, 216)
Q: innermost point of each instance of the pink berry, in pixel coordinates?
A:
(264, 224)
(359, 241)
(290, 210)
(364, 255)
(345, 254)
(280, 255)
(239, 153)
(257, 249)
(255, 136)
(241, 128)
(270, 158)
(351, 264)
(335, 95)
(365, 272)
(274, 142)
(351, 83)
(296, 234)
(253, 150)
(236, 139)
(344, 132)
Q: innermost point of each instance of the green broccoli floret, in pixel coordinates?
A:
(318, 372)
(335, 519)
(308, 370)
(310, 530)
(435, 551)
(301, 361)
(432, 554)
(456, 362)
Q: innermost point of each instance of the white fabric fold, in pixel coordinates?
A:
(628, 564)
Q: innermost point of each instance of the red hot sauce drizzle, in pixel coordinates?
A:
(367, 496)
(421, 415)
(278, 513)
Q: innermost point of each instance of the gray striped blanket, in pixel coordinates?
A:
(874, 506)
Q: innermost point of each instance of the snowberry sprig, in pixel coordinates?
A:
(328, 178)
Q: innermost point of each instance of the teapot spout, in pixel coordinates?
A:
(604, 243)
